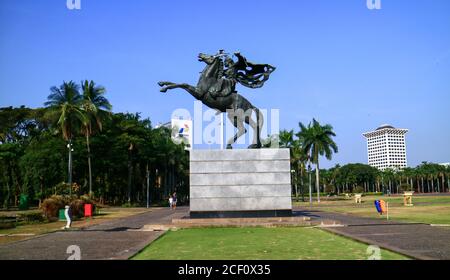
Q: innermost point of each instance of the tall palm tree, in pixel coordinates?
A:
(441, 174)
(63, 105)
(317, 141)
(286, 138)
(97, 108)
(335, 175)
(447, 172)
(298, 161)
(389, 174)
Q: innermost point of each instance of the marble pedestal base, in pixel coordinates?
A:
(240, 183)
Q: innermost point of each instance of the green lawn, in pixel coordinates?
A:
(426, 209)
(283, 243)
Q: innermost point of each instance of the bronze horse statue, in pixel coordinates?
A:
(216, 89)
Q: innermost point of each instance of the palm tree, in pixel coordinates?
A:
(389, 174)
(422, 173)
(298, 161)
(317, 141)
(97, 109)
(335, 175)
(286, 138)
(64, 105)
(447, 172)
(441, 174)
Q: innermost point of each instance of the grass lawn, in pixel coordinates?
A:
(282, 243)
(426, 209)
(26, 231)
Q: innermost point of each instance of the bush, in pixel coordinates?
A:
(62, 188)
(31, 217)
(50, 206)
(358, 189)
(77, 208)
(7, 222)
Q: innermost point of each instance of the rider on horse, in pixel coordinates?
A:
(248, 74)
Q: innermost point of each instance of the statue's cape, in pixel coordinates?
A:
(252, 75)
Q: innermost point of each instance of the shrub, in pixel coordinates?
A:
(7, 222)
(51, 206)
(77, 208)
(62, 188)
(31, 217)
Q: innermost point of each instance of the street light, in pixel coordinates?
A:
(310, 188)
(69, 146)
(148, 187)
(295, 187)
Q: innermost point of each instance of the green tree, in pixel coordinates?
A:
(64, 107)
(286, 138)
(298, 162)
(42, 165)
(317, 141)
(97, 108)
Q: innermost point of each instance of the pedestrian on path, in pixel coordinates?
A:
(174, 203)
(170, 202)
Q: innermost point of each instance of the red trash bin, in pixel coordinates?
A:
(88, 210)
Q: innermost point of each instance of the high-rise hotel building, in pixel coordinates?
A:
(386, 147)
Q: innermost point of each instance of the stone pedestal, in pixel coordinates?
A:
(407, 198)
(240, 183)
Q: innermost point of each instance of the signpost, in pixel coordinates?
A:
(382, 207)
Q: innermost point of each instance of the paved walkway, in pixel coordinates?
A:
(121, 238)
(420, 241)
(116, 239)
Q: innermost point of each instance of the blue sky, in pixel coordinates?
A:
(336, 61)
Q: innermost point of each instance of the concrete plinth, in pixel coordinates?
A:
(240, 183)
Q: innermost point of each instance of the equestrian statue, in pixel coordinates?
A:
(216, 89)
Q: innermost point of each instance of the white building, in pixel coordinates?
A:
(386, 147)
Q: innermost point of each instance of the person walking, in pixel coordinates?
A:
(174, 203)
(170, 202)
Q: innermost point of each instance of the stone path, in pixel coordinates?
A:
(116, 239)
(420, 241)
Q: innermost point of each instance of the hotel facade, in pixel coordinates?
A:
(386, 147)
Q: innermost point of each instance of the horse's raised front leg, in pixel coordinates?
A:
(165, 83)
(191, 89)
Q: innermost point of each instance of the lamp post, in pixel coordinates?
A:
(295, 184)
(310, 188)
(69, 146)
(148, 187)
